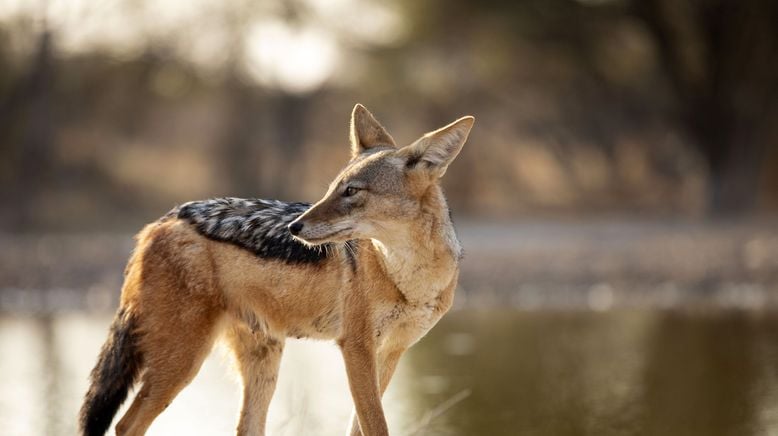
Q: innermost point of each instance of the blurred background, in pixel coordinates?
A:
(617, 198)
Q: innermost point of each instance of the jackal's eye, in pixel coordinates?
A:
(350, 191)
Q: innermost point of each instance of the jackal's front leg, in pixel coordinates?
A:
(360, 360)
(387, 363)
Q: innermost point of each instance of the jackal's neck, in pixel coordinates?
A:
(421, 257)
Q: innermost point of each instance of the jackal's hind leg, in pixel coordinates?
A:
(258, 356)
(170, 362)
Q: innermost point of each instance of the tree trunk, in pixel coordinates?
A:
(720, 60)
(29, 111)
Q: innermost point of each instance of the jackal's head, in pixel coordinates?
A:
(383, 186)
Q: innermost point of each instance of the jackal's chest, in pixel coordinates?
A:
(406, 323)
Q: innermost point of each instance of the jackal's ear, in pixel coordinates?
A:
(366, 132)
(436, 150)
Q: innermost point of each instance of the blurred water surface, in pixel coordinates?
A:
(490, 372)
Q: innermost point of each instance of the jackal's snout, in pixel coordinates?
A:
(312, 228)
(295, 227)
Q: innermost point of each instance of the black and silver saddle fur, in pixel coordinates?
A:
(257, 225)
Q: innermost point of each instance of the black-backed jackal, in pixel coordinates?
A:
(372, 265)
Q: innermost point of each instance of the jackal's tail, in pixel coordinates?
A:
(114, 374)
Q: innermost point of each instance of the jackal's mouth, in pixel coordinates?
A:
(318, 239)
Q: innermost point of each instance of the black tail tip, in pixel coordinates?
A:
(97, 415)
(112, 377)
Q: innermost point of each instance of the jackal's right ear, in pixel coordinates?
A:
(366, 132)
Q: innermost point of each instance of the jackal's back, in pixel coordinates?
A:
(257, 225)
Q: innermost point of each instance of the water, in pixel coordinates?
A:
(476, 373)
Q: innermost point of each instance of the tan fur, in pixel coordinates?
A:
(185, 289)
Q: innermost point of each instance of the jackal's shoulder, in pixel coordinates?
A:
(257, 225)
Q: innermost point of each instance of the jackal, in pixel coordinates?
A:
(372, 265)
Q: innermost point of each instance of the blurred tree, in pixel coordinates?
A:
(721, 58)
(715, 79)
(26, 119)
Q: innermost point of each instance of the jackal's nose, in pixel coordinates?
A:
(295, 228)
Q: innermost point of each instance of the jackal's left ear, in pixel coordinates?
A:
(367, 132)
(436, 150)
